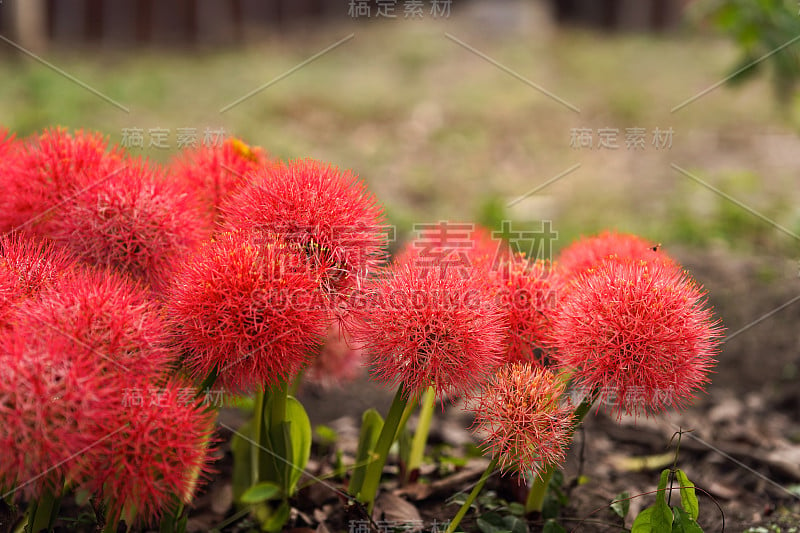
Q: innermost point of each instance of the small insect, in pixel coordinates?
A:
(656, 248)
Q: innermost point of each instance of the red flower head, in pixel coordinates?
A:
(46, 171)
(637, 333)
(161, 455)
(329, 214)
(215, 172)
(109, 315)
(245, 306)
(133, 222)
(338, 361)
(453, 245)
(27, 267)
(527, 292)
(430, 326)
(53, 394)
(525, 420)
(588, 252)
(35, 264)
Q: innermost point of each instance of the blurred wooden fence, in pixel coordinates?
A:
(183, 22)
(36, 23)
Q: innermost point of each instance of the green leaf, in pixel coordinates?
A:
(326, 434)
(658, 517)
(273, 520)
(688, 496)
(684, 523)
(515, 524)
(298, 432)
(371, 425)
(261, 492)
(621, 504)
(551, 526)
(491, 523)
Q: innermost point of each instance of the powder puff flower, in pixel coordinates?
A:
(589, 251)
(524, 418)
(246, 307)
(134, 222)
(46, 170)
(336, 223)
(28, 266)
(527, 291)
(159, 458)
(430, 326)
(338, 361)
(638, 334)
(215, 172)
(54, 396)
(107, 314)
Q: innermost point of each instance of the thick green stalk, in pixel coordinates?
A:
(258, 431)
(472, 495)
(277, 435)
(44, 511)
(535, 500)
(423, 428)
(391, 426)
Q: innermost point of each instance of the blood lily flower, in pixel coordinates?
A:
(47, 169)
(328, 213)
(637, 333)
(430, 326)
(134, 222)
(526, 422)
(108, 314)
(245, 307)
(55, 395)
(159, 457)
(338, 362)
(589, 251)
(214, 172)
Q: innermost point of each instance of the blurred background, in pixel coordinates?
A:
(677, 120)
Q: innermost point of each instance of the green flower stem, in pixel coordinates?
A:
(258, 437)
(421, 434)
(44, 511)
(391, 426)
(473, 494)
(535, 500)
(278, 443)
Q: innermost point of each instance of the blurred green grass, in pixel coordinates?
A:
(439, 133)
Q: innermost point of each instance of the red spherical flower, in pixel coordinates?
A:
(339, 361)
(134, 222)
(589, 251)
(46, 171)
(430, 327)
(109, 315)
(159, 458)
(524, 418)
(27, 267)
(328, 213)
(54, 393)
(215, 172)
(35, 264)
(636, 333)
(245, 306)
(454, 245)
(527, 293)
